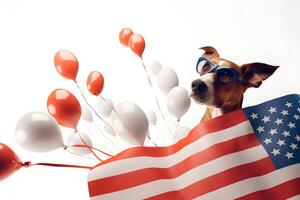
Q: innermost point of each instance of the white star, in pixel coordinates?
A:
(294, 146)
(275, 152)
(273, 131)
(289, 155)
(272, 110)
(266, 119)
(296, 117)
(284, 112)
(291, 125)
(278, 121)
(260, 129)
(268, 140)
(298, 109)
(286, 133)
(254, 116)
(289, 105)
(297, 138)
(280, 142)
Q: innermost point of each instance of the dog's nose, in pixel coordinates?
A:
(199, 86)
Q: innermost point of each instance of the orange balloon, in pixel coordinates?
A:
(95, 83)
(64, 107)
(125, 35)
(66, 64)
(137, 44)
(9, 161)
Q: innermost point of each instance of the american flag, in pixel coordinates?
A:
(252, 153)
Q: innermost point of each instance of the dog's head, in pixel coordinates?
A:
(223, 82)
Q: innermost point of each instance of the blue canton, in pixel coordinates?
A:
(276, 124)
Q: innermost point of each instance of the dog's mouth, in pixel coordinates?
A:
(206, 100)
(198, 99)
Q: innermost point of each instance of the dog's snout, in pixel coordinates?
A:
(199, 86)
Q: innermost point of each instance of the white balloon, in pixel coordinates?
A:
(167, 79)
(105, 106)
(86, 114)
(130, 117)
(74, 139)
(109, 130)
(178, 101)
(38, 132)
(151, 116)
(181, 132)
(155, 67)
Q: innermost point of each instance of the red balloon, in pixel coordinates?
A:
(125, 35)
(66, 64)
(137, 44)
(64, 107)
(9, 162)
(95, 83)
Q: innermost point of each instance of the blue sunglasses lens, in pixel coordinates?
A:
(226, 75)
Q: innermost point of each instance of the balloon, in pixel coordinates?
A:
(151, 117)
(181, 132)
(74, 139)
(178, 101)
(105, 106)
(156, 67)
(64, 107)
(66, 64)
(9, 162)
(125, 35)
(86, 114)
(137, 44)
(134, 120)
(95, 83)
(167, 79)
(38, 132)
(109, 130)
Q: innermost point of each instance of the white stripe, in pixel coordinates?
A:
(294, 198)
(255, 184)
(137, 163)
(203, 171)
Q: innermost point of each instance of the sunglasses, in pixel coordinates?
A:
(224, 74)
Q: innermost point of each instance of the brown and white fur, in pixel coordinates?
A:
(224, 98)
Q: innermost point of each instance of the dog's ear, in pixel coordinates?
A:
(209, 52)
(255, 73)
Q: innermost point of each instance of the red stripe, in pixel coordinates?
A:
(283, 191)
(204, 128)
(139, 177)
(220, 180)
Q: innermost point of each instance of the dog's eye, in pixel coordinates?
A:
(206, 67)
(225, 75)
(203, 66)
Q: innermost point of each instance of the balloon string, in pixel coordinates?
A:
(119, 117)
(29, 164)
(101, 133)
(88, 146)
(152, 141)
(156, 99)
(77, 154)
(85, 146)
(94, 111)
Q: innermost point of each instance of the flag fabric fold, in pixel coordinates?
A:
(251, 153)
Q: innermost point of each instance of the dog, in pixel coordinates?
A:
(222, 83)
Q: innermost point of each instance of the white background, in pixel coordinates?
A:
(32, 31)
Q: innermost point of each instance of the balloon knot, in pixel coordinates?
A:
(27, 164)
(65, 147)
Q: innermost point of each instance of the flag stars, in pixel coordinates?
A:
(286, 133)
(280, 142)
(266, 119)
(296, 117)
(294, 146)
(272, 110)
(297, 138)
(289, 105)
(298, 109)
(275, 152)
(273, 131)
(260, 129)
(278, 121)
(268, 141)
(289, 155)
(284, 112)
(254, 116)
(291, 125)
